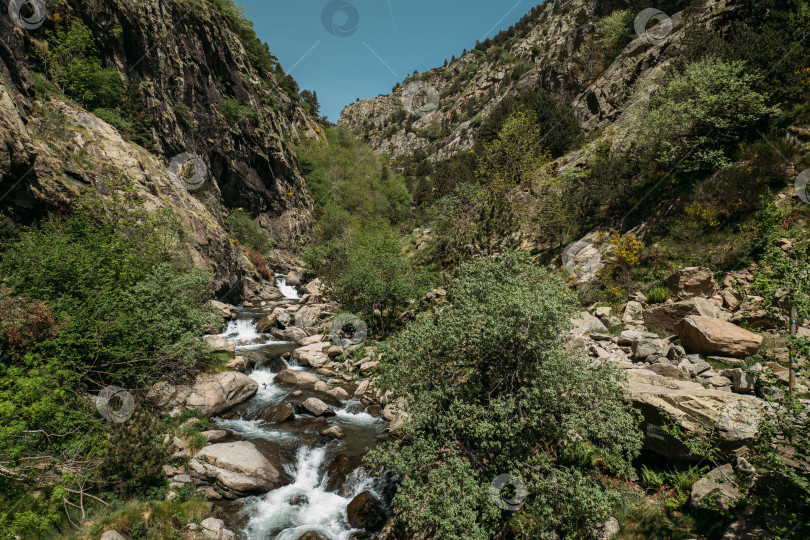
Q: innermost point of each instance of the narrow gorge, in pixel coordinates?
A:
(557, 286)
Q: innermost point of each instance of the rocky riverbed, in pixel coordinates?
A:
(287, 427)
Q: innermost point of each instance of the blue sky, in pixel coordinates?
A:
(370, 45)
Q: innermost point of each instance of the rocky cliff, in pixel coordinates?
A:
(182, 64)
(555, 47)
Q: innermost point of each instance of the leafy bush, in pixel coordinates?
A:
(71, 62)
(234, 111)
(614, 32)
(658, 295)
(245, 229)
(114, 306)
(696, 120)
(490, 390)
(376, 280)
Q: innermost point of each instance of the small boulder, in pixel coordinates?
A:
(278, 414)
(366, 512)
(713, 336)
(312, 355)
(316, 407)
(691, 282)
(220, 344)
(633, 312)
(294, 278)
(332, 431)
(718, 489)
(266, 323)
(214, 529)
(291, 333)
(296, 377)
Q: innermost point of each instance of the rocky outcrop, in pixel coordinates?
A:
(731, 417)
(209, 395)
(183, 85)
(665, 317)
(712, 336)
(238, 468)
(691, 282)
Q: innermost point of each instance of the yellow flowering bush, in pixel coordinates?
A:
(626, 247)
(703, 215)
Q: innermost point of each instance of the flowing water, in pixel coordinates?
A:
(289, 292)
(321, 490)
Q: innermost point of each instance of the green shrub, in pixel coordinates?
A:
(125, 311)
(233, 110)
(697, 120)
(375, 279)
(614, 32)
(658, 295)
(245, 229)
(490, 390)
(71, 62)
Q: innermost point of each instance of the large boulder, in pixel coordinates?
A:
(664, 317)
(313, 355)
(239, 468)
(214, 529)
(366, 512)
(307, 317)
(220, 344)
(296, 377)
(717, 490)
(316, 407)
(691, 282)
(733, 418)
(210, 395)
(710, 336)
(291, 333)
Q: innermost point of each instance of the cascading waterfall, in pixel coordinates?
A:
(305, 505)
(243, 333)
(289, 292)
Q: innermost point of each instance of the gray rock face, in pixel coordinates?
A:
(706, 335)
(717, 489)
(691, 282)
(696, 409)
(210, 395)
(664, 317)
(238, 467)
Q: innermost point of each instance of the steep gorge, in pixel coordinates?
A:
(183, 63)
